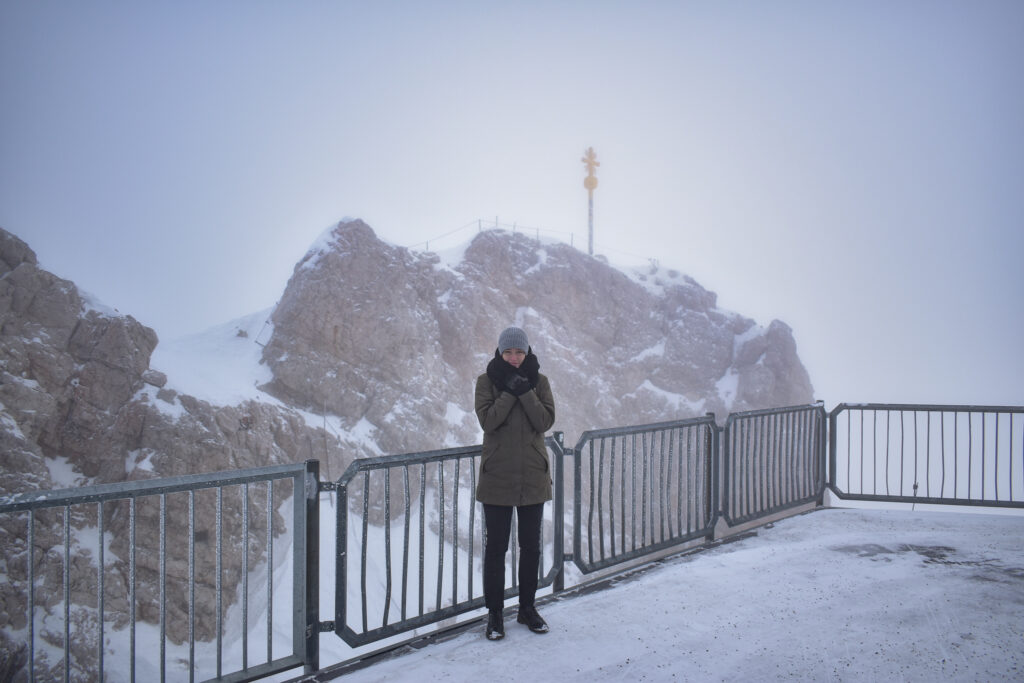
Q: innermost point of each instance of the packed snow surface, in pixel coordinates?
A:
(835, 595)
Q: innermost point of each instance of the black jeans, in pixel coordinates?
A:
(497, 529)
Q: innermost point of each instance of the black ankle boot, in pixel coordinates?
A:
(533, 621)
(495, 625)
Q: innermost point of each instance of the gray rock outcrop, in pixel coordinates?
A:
(393, 339)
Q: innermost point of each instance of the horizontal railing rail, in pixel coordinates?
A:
(773, 460)
(154, 541)
(944, 455)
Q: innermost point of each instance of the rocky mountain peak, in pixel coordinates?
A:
(392, 340)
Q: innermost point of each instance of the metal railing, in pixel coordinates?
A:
(418, 512)
(946, 455)
(128, 542)
(638, 490)
(408, 538)
(772, 460)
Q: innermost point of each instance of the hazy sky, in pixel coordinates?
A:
(855, 169)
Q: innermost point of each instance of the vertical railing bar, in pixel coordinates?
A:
(658, 455)
(218, 586)
(622, 493)
(740, 458)
(31, 555)
(758, 457)
(685, 499)
(694, 458)
(455, 533)
(363, 546)
(849, 453)
(740, 465)
(666, 456)
(781, 438)
(633, 491)
(470, 573)
(100, 586)
(163, 587)
(621, 440)
(874, 452)
(888, 417)
(862, 489)
(786, 461)
(885, 473)
(942, 453)
(779, 441)
(770, 445)
(679, 479)
(808, 426)
(590, 510)
(1011, 457)
(387, 546)
(995, 456)
(774, 445)
(812, 454)
(245, 575)
(664, 487)
(984, 429)
(131, 589)
(737, 463)
(610, 496)
(956, 458)
(970, 452)
(664, 491)
(791, 450)
(191, 585)
(702, 475)
(903, 448)
(406, 540)
(800, 449)
(805, 457)
(440, 538)
(423, 521)
(644, 484)
(270, 569)
(67, 592)
(916, 482)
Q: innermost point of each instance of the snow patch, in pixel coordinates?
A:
(727, 387)
(676, 401)
(656, 351)
(63, 473)
(222, 365)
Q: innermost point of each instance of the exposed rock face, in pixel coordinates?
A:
(395, 339)
(74, 398)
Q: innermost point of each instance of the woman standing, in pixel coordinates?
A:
(515, 408)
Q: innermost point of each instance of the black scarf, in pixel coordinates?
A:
(499, 370)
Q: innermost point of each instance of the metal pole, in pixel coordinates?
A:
(590, 222)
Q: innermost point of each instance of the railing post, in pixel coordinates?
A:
(312, 593)
(830, 473)
(559, 512)
(717, 462)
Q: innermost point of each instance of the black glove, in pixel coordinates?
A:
(517, 384)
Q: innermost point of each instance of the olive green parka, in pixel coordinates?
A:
(514, 466)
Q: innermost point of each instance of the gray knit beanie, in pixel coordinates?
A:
(512, 338)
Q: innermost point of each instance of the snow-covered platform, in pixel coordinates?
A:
(835, 595)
